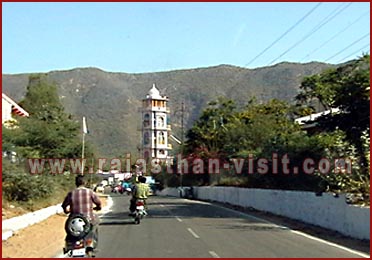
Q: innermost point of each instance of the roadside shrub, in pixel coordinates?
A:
(21, 186)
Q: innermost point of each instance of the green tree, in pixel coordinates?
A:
(209, 135)
(346, 88)
(49, 132)
(258, 130)
(267, 130)
(210, 130)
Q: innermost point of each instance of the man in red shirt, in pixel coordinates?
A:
(81, 201)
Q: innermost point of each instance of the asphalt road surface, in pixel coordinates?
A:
(180, 228)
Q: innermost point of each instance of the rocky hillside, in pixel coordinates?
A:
(110, 101)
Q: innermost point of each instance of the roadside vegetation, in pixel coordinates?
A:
(48, 132)
(226, 132)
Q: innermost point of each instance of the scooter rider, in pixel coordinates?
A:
(126, 187)
(81, 201)
(140, 191)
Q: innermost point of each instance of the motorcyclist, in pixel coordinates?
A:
(126, 187)
(81, 200)
(140, 191)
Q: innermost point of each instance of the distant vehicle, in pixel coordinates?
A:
(99, 188)
(128, 191)
(153, 188)
(186, 192)
(150, 180)
(118, 189)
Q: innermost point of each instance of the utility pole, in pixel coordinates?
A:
(182, 134)
(180, 142)
(155, 136)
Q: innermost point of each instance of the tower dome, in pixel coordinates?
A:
(154, 93)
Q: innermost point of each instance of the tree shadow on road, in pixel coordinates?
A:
(116, 218)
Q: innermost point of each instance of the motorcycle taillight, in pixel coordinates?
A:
(139, 203)
(89, 242)
(79, 244)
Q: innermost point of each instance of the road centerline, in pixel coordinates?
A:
(214, 254)
(193, 233)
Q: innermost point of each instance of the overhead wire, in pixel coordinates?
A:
(326, 20)
(285, 33)
(347, 47)
(334, 36)
(355, 52)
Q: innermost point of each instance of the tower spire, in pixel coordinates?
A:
(155, 128)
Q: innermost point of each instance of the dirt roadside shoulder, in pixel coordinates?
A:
(42, 240)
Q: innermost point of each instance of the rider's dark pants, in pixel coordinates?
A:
(133, 201)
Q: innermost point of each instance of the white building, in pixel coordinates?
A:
(155, 129)
(307, 122)
(10, 108)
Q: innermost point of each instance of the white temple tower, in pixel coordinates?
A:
(155, 128)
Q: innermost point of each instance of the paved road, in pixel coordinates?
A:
(180, 228)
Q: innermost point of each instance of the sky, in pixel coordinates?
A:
(146, 37)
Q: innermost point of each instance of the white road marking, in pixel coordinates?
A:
(193, 233)
(199, 202)
(293, 231)
(331, 244)
(214, 254)
(170, 213)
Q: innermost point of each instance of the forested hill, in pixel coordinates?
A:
(110, 101)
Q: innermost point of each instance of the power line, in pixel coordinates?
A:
(362, 48)
(347, 47)
(284, 34)
(329, 17)
(334, 36)
(315, 29)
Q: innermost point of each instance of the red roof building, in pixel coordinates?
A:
(11, 108)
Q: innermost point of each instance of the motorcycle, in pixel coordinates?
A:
(80, 240)
(128, 191)
(140, 211)
(118, 189)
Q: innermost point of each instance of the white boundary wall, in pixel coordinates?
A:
(324, 211)
(10, 226)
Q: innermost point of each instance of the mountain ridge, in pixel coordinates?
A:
(110, 100)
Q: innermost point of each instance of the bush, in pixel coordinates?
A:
(23, 187)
